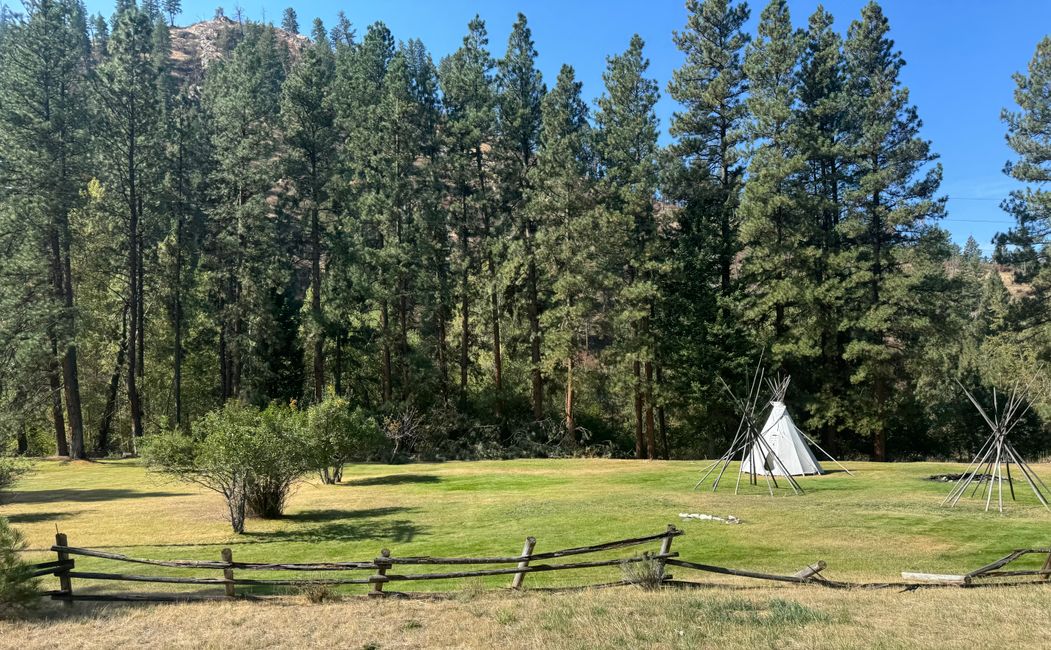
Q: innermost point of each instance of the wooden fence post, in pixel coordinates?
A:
(65, 583)
(1047, 567)
(527, 550)
(382, 563)
(666, 549)
(228, 573)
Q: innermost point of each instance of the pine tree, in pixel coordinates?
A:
(520, 89)
(358, 88)
(247, 262)
(343, 32)
(173, 8)
(129, 111)
(43, 114)
(569, 237)
(627, 150)
(822, 126)
(289, 21)
(704, 180)
(1026, 246)
(891, 197)
(774, 230)
(309, 126)
(466, 79)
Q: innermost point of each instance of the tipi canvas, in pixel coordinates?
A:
(784, 439)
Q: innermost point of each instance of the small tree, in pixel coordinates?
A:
(278, 460)
(214, 457)
(252, 458)
(336, 434)
(18, 589)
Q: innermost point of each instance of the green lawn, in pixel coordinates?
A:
(871, 526)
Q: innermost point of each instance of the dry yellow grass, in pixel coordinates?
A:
(624, 617)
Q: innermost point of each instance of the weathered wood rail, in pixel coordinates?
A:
(379, 569)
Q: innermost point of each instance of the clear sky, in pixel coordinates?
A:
(960, 55)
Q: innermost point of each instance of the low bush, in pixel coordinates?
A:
(18, 591)
(10, 470)
(336, 434)
(278, 459)
(252, 458)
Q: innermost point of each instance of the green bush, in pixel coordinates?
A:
(278, 460)
(252, 458)
(18, 591)
(336, 434)
(10, 470)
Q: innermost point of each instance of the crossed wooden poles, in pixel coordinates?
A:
(749, 436)
(994, 459)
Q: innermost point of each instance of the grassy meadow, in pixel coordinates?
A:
(871, 526)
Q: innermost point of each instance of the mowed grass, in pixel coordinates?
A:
(885, 519)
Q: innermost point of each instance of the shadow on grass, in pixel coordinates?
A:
(86, 495)
(393, 479)
(37, 517)
(345, 525)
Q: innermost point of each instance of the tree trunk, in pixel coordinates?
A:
(465, 308)
(640, 442)
(315, 303)
(662, 424)
(337, 371)
(651, 441)
(61, 445)
(571, 424)
(63, 286)
(534, 338)
(135, 288)
(106, 422)
(385, 379)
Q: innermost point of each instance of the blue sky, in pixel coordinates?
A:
(960, 55)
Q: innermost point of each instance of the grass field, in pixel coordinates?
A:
(871, 526)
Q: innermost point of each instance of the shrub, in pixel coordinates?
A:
(336, 434)
(18, 591)
(10, 470)
(647, 572)
(278, 460)
(250, 457)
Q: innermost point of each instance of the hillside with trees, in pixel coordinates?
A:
(489, 263)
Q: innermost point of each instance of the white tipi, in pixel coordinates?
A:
(785, 450)
(784, 439)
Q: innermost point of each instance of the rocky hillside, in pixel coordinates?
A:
(196, 46)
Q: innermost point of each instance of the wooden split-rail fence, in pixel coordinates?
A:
(381, 570)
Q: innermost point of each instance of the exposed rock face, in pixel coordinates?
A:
(197, 46)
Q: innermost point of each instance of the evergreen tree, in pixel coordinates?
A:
(569, 237)
(173, 8)
(774, 230)
(891, 197)
(289, 21)
(704, 179)
(466, 79)
(309, 126)
(627, 150)
(247, 262)
(1026, 246)
(42, 120)
(520, 88)
(129, 112)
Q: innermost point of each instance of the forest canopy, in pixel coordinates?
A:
(485, 261)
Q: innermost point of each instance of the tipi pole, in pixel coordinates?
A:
(827, 455)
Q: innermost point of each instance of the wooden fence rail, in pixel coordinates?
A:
(64, 568)
(380, 570)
